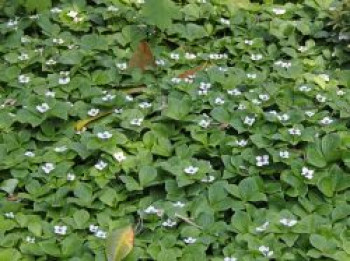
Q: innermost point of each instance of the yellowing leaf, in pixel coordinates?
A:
(119, 243)
(79, 126)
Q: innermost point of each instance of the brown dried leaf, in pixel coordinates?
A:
(142, 57)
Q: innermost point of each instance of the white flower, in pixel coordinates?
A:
(140, 1)
(190, 240)
(169, 223)
(64, 78)
(42, 108)
(241, 107)
(230, 259)
(48, 167)
(264, 97)
(136, 121)
(55, 10)
(108, 97)
(256, 57)
(256, 101)
(175, 80)
(72, 14)
(122, 66)
(202, 1)
(326, 120)
(208, 179)
(251, 75)
(129, 98)
(262, 160)
(50, 62)
(283, 117)
(60, 149)
(204, 123)
(93, 112)
(234, 92)
(302, 49)
(145, 105)
(202, 92)
(100, 234)
(105, 135)
(50, 94)
(224, 21)
(118, 111)
(23, 78)
(119, 156)
(309, 113)
(9, 215)
(30, 240)
(151, 210)
(340, 92)
(179, 204)
(304, 88)
(320, 98)
(325, 77)
(12, 23)
(191, 170)
(249, 120)
(23, 57)
(307, 173)
(263, 227)
(160, 62)
(204, 85)
(288, 222)
(112, 8)
(100, 165)
(219, 101)
(93, 228)
(70, 177)
(190, 56)
(248, 42)
(278, 11)
(242, 143)
(265, 251)
(294, 131)
(284, 154)
(60, 230)
(58, 40)
(25, 39)
(174, 56)
(29, 154)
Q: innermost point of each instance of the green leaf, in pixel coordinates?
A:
(81, 217)
(160, 12)
(9, 185)
(146, 175)
(322, 243)
(330, 146)
(119, 243)
(250, 191)
(315, 157)
(178, 108)
(37, 5)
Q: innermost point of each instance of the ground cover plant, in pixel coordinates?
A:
(174, 130)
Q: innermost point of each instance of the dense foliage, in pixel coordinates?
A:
(217, 129)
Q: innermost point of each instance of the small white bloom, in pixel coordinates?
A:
(208, 179)
(241, 107)
(169, 223)
(204, 85)
(264, 97)
(288, 222)
(326, 120)
(278, 11)
(174, 56)
(30, 240)
(309, 113)
(262, 160)
(118, 111)
(12, 23)
(72, 14)
(93, 112)
(105, 135)
(224, 21)
(129, 98)
(70, 177)
(160, 62)
(122, 66)
(219, 101)
(302, 49)
(100, 165)
(230, 258)
(50, 62)
(48, 167)
(119, 156)
(9, 215)
(60, 230)
(304, 88)
(242, 143)
(251, 75)
(100, 234)
(248, 42)
(191, 170)
(42, 108)
(178, 204)
(294, 131)
(93, 228)
(307, 173)
(108, 97)
(23, 78)
(57, 40)
(256, 101)
(112, 8)
(249, 120)
(265, 251)
(204, 123)
(284, 154)
(234, 92)
(60, 149)
(256, 57)
(64, 80)
(325, 77)
(175, 80)
(136, 121)
(51, 94)
(263, 227)
(23, 57)
(151, 210)
(202, 92)
(190, 240)
(321, 98)
(190, 56)
(25, 39)
(29, 154)
(145, 105)
(55, 10)
(283, 117)
(340, 92)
